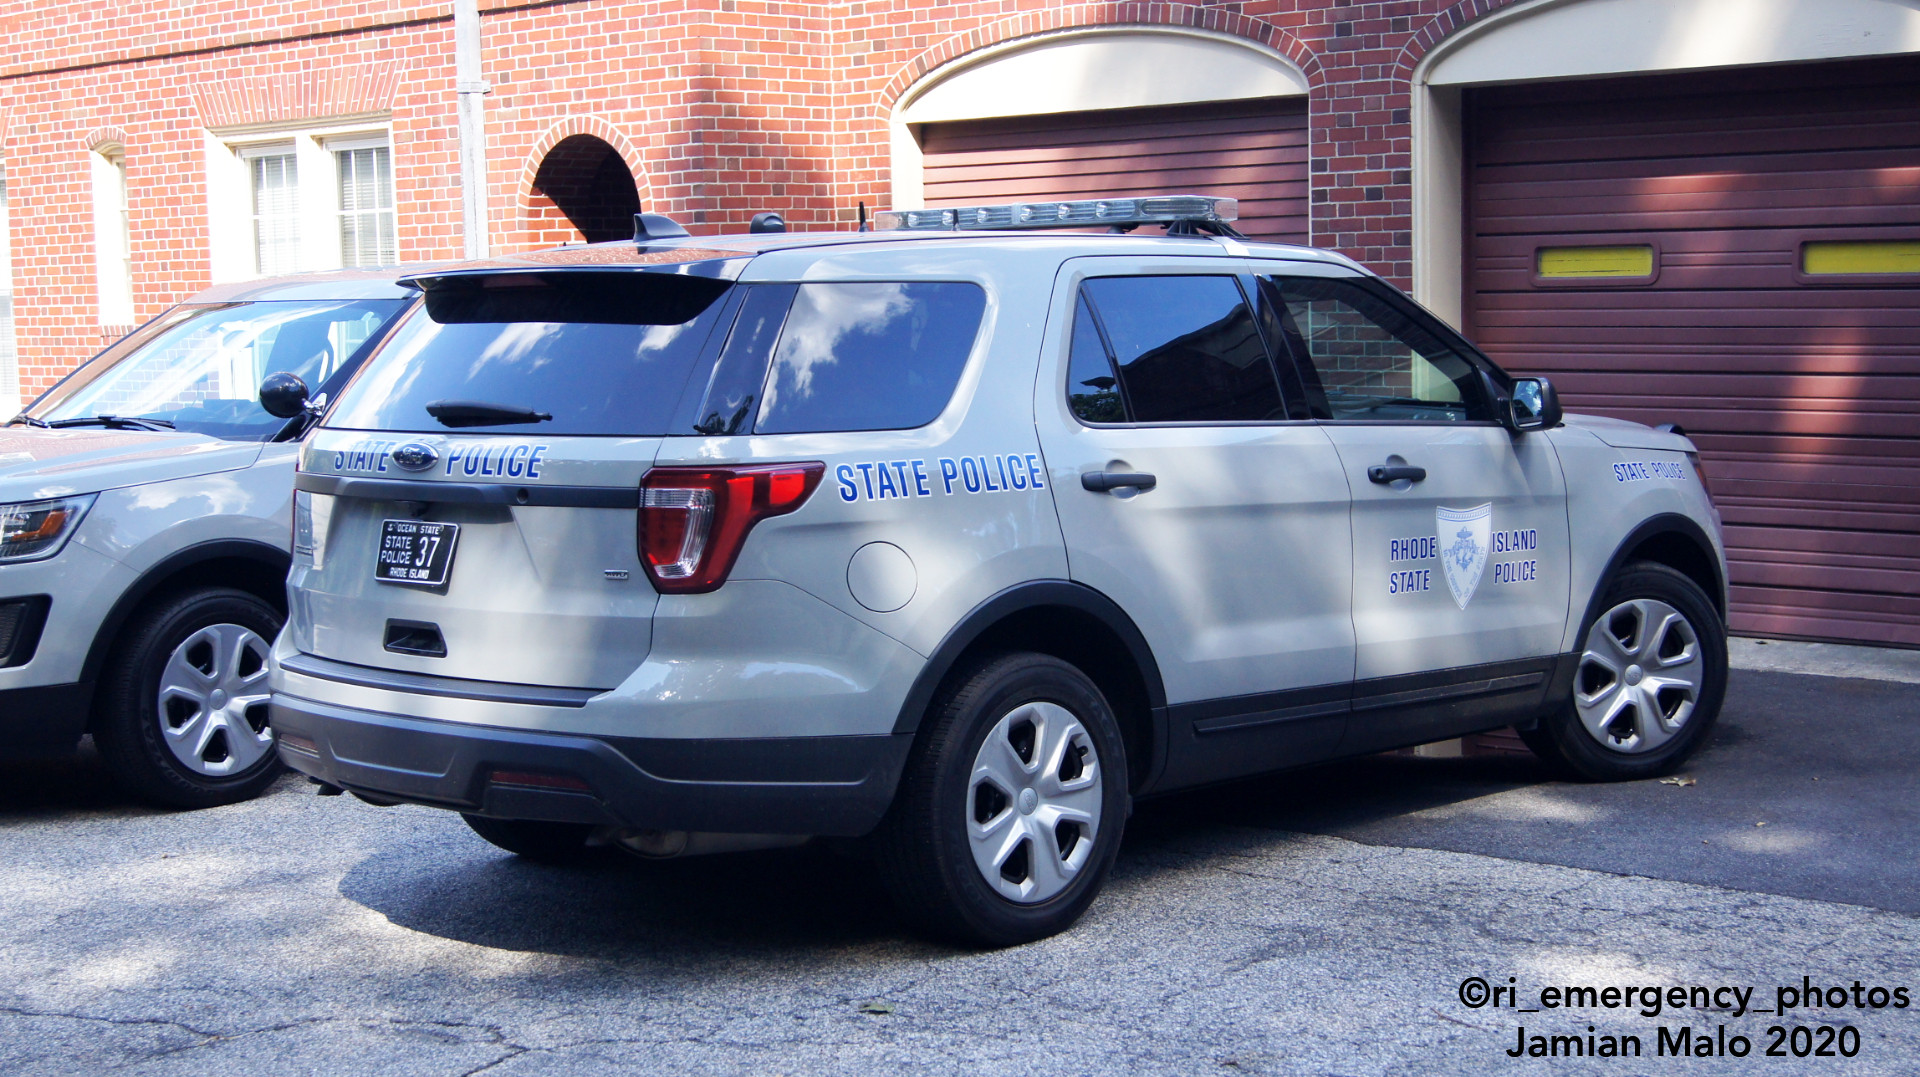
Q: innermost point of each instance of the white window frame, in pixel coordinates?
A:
(230, 235)
(344, 144)
(112, 239)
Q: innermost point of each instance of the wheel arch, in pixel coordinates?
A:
(255, 567)
(1669, 539)
(1076, 624)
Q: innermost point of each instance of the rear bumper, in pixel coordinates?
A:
(834, 785)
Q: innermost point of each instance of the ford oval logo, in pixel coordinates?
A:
(415, 457)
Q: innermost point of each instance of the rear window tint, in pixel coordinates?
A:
(602, 353)
(869, 356)
(1186, 349)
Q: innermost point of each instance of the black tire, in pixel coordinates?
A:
(127, 718)
(548, 843)
(1563, 742)
(923, 847)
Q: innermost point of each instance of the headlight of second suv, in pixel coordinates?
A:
(33, 530)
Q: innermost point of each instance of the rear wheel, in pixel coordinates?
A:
(1651, 676)
(551, 843)
(182, 714)
(1012, 806)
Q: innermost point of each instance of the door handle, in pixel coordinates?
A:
(1101, 482)
(1386, 473)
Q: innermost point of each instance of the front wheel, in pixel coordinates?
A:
(1652, 673)
(182, 714)
(1012, 806)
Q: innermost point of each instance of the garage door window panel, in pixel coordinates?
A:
(1890, 258)
(1372, 360)
(1582, 263)
(1186, 349)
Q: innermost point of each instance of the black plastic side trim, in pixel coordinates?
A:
(1035, 595)
(1218, 740)
(1418, 708)
(470, 493)
(26, 634)
(1268, 708)
(273, 559)
(1667, 523)
(424, 684)
(41, 721)
(1460, 690)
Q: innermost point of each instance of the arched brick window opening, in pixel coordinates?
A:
(584, 180)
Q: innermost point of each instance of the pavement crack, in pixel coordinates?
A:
(18, 1011)
(513, 1051)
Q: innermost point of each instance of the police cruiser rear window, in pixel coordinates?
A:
(869, 356)
(601, 353)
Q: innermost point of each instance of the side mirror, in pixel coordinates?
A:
(1533, 405)
(284, 395)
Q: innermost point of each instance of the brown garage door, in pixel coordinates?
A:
(1254, 151)
(1710, 197)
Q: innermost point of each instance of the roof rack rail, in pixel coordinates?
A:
(1183, 214)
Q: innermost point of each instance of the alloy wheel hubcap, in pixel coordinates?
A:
(1033, 804)
(1640, 676)
(213, 701)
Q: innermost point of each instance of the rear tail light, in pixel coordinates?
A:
(693, 520)
(1700, 473)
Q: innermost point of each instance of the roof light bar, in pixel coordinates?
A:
(1020, 216)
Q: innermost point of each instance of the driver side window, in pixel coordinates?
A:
(1372, 361)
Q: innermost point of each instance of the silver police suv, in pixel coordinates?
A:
(145, 514)
(961, 537)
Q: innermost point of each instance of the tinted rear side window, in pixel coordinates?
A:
(1186, 349)
(869, 356)
(602, 353)
(1092, 390)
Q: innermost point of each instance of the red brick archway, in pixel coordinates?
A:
(582, 182)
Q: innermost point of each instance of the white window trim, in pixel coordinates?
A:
(112, 259)
(231, 254)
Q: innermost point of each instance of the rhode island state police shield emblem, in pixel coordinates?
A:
(1465, 535)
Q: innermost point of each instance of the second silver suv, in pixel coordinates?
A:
(961, 541)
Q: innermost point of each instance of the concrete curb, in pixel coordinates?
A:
(1824, 659)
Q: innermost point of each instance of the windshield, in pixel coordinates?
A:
(200, 367)
(577, 354)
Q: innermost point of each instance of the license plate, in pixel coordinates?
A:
(416, 552)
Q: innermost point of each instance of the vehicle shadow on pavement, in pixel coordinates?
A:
(1810, 788)
(617, 907)
(1754, 818)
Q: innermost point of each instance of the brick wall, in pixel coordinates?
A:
(719, 108)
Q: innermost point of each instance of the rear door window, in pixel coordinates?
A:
(603, 353)
(1185, 349)
(869, 356)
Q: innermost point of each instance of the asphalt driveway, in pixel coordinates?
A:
(1321, 922)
